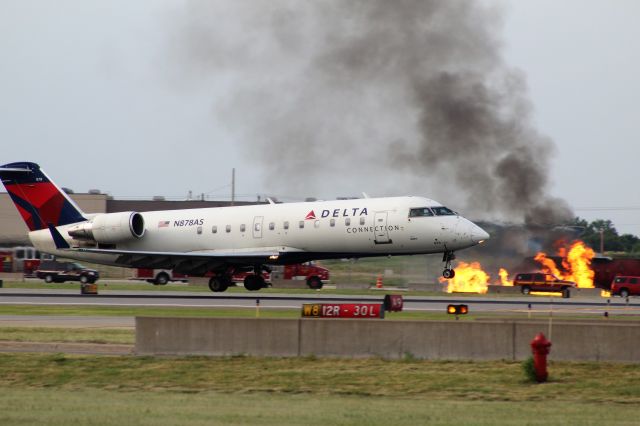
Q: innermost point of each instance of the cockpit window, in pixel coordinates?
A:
(419, 212)
(443, 211)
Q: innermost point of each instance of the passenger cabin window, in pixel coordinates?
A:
(301, 224)
(362, 221)
(272, 226)
(242, 228)
(419, 212)
(199, 230)
(347, 221)
(443, 211)
(332, 222)
(214, 229)
(286, 225)
(228, 229)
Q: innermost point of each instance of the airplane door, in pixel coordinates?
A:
(381, 231)
(257, 226)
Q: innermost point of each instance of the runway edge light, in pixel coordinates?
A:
(457, 309)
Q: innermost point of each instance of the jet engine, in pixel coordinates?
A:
(110, 228)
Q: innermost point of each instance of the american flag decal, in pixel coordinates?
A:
(163, 224)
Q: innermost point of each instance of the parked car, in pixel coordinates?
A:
(58, 272)
(625, 286)
(539, 281)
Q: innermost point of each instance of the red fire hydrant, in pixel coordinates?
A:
(540, 348)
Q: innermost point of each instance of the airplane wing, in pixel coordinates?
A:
(190, 262)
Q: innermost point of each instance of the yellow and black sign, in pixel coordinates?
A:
(311, 310)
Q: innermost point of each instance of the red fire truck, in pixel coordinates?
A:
(22, 259)
(313, 275)
(159, 276)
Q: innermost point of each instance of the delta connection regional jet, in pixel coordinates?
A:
(226, 240)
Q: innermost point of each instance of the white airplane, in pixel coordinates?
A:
(225, 240)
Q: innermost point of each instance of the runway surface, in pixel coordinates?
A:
(43, 297)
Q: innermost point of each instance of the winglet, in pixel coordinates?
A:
(60, 242)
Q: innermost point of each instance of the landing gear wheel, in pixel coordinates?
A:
(254, 282)
(218, 284)
(447, 258)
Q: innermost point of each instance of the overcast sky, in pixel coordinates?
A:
(93, 92)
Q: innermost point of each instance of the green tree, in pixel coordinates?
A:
(601, 228)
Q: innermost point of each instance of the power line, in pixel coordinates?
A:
(606, 208)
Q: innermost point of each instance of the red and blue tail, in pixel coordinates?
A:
(40, 202)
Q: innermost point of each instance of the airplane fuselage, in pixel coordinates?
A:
(300, 231)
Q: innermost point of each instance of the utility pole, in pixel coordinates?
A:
(233, 186)
(602, 241)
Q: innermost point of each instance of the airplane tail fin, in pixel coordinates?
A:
(40, 202)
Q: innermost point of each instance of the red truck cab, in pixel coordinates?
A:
(315, 276)
(625, 286)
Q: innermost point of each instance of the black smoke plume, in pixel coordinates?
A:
(385, 96)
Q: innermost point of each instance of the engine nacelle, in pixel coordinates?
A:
(110, 228)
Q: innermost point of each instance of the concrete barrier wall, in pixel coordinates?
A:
(456, 340)
(217, 336)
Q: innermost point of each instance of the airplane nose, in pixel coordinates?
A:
(478, 235)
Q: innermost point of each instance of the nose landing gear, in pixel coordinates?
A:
(447, 258)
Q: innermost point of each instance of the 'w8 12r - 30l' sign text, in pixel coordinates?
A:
(343, 310)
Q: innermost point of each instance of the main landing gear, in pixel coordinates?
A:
(219, 283)
(255, 281)
(448, 272)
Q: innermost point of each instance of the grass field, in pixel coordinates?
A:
(50, 406)
(57, 390)
(70, 335)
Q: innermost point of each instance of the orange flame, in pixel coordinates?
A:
(576, 262)
(504, 278)
(469, 278)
